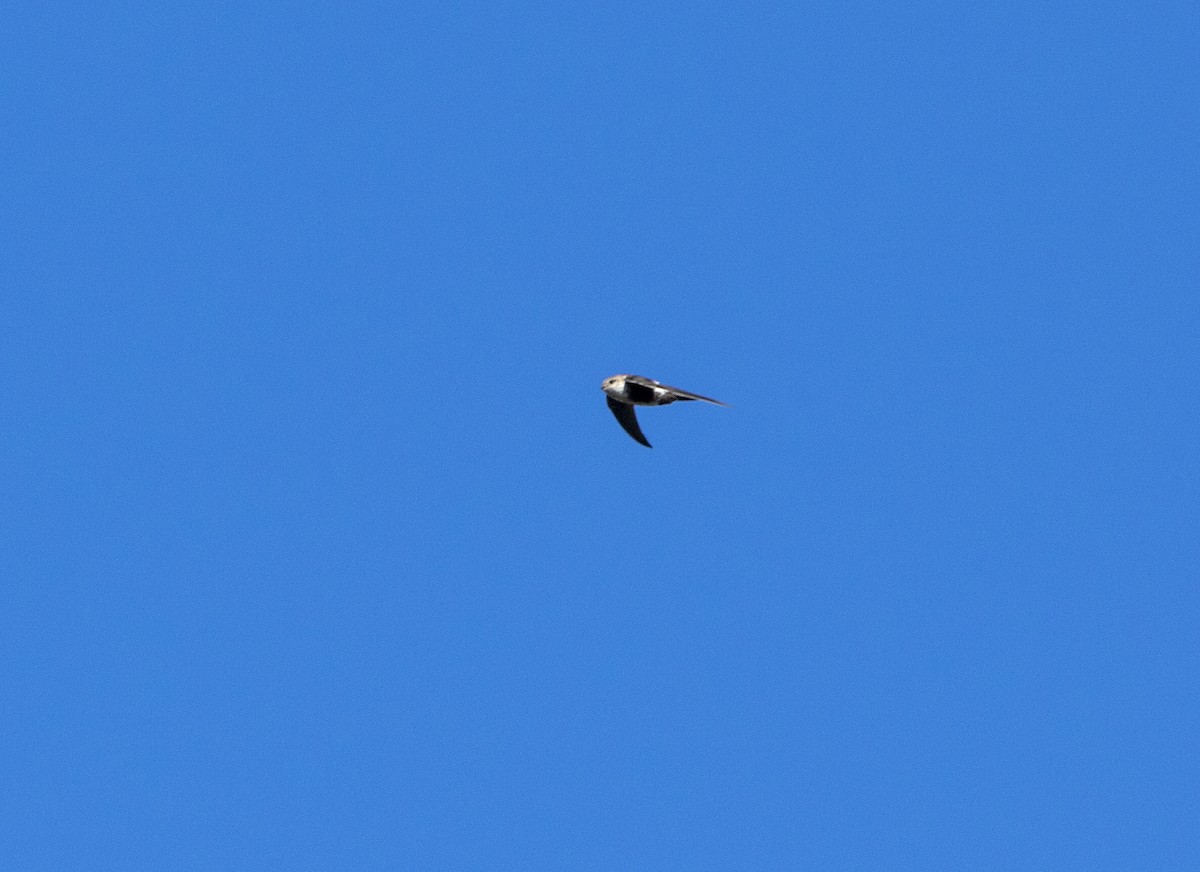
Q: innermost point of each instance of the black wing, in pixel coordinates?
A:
(688, 395)
(639, 389)
(627, 419)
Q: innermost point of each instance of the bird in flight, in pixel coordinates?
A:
(626, 391)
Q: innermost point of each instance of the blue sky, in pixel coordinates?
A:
(322, 551)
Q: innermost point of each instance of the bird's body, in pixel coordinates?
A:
(626, 391)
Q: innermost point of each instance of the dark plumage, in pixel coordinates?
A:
(626, 391)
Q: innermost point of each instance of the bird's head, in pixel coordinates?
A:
(614, 384)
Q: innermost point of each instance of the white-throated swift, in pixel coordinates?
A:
(626, 391)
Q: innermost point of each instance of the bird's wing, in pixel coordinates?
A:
(688, 395)
(640, 389)
(627, 419)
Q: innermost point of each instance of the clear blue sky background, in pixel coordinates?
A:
(322, 551)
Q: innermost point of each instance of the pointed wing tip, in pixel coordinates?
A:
(628, 420)
(681, 394)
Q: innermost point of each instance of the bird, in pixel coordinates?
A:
(626, 391)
